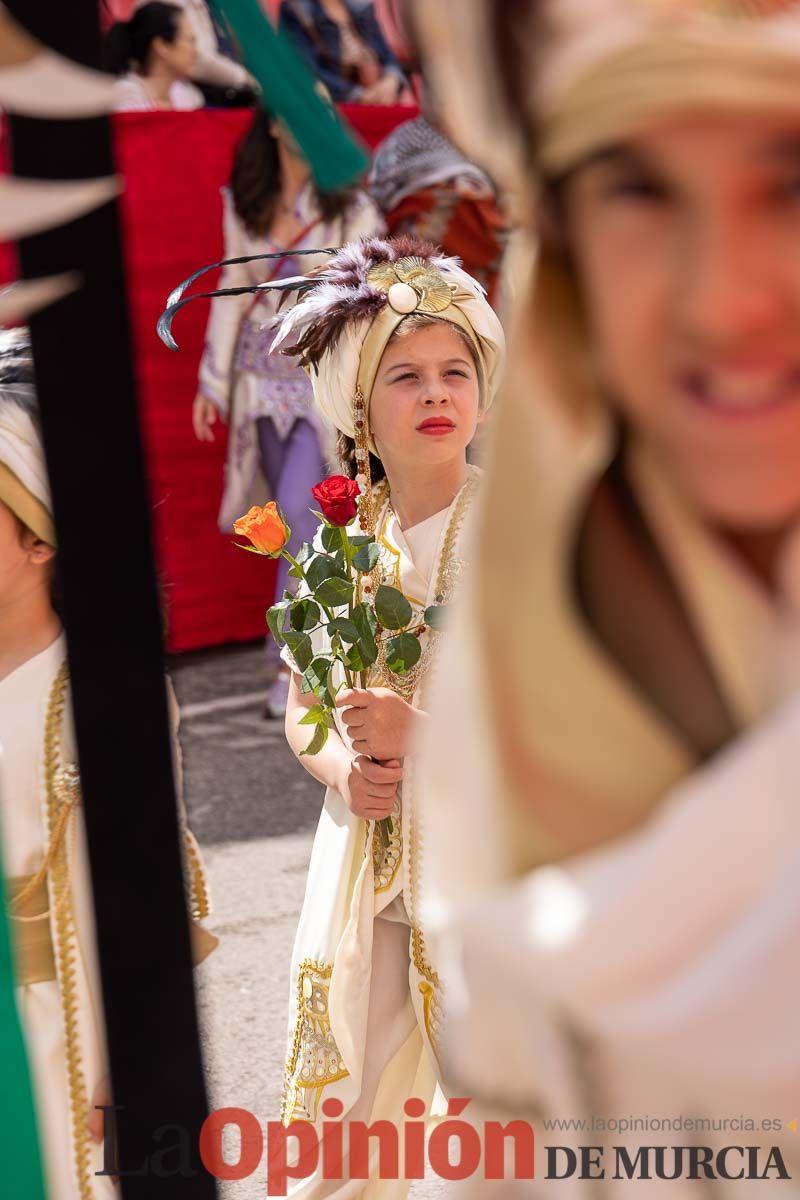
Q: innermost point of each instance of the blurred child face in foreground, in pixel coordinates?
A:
(24, 560)
(686, 240)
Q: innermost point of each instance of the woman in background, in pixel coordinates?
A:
(277, 445)
(154, 54)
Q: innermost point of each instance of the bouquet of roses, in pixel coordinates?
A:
(340, 593)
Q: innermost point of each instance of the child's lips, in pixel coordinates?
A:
(436, 426)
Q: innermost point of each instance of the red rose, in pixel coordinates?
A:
(336, 496)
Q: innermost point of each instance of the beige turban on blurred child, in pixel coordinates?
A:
(24, 486)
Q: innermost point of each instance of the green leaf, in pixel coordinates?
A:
(347, 630)
(305, 552)
(355, 658)
(402, 653)
(305, 614)
(365, 621)
(276, 619)
(436, 616)
(334, 592)
(301, 648)
(331, 538)
(252, 550)
(361, 539)
(317, 674)
(321, 567)
(391, 608)
(369, 651)
(316, 715)
(367, 557)
(317, 742)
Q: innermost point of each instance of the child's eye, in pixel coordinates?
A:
(454, 371)
(637, 187)
(405, 375)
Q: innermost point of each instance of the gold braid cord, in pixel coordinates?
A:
(199, 903)
(62, 791)
(386, 859)
(314, 1059)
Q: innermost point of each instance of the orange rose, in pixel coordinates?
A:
(265, 528)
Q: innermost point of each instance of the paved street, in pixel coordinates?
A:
(254, 811)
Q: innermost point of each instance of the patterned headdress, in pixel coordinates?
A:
(24, 486)
(346, 314)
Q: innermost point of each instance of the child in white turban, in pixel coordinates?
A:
(404, 354)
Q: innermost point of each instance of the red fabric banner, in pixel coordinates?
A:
(173, 165)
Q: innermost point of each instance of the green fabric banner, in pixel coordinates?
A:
(287, 88)
(21, 1166)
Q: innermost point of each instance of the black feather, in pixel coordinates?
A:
(178, 291)
(164, 324)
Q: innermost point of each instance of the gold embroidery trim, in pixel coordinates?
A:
(386, 860)
(314, 1060)
(63, 794)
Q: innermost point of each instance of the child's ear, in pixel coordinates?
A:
(38, 550)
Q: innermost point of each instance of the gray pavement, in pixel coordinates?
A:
(254, 810)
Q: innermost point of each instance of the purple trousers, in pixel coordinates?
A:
(292, 466)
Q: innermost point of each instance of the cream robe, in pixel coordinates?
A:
(350, 885)
(24, 696)
(656, 975)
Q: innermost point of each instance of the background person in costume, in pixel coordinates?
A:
(621, 907)
(427, 189)
(278, 445)
(46, 872)
(404, 353)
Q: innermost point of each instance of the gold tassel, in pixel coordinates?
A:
(366, 509)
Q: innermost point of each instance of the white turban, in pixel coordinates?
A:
(24, 486)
